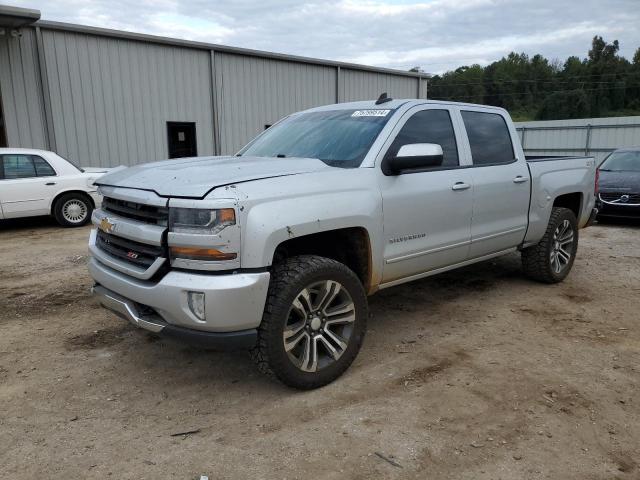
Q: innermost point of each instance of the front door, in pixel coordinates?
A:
(427, 214)
(500, 182)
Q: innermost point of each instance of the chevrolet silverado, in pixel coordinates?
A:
(276, 249)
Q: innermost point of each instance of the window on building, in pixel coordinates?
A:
(429, 126)
(489, 138)
(182, 139)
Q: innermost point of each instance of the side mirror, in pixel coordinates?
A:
(414, 156)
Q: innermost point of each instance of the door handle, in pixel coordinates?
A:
(520, 179)
(50, 183)
(460, 186)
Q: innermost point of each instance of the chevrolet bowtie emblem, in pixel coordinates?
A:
(106, 226)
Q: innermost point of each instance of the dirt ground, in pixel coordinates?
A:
(474, 374)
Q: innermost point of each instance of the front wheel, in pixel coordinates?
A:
(314, 322)
(550, 261)
(73, 210)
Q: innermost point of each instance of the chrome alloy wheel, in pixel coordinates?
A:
(74, 211)
(319, 325)
(562, 247)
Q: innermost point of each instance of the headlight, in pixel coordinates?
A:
(197, 234)
(200, 221)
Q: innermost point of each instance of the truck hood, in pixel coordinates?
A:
(196, 177)
(617, 181)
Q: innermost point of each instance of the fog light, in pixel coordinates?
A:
(196, 304)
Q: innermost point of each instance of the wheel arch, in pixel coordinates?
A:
(350, 246)
(340, 219)
(571, 201)
(58, 195)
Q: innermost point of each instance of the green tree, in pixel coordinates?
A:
(561, 105)
(464, 84)
(603, 83)
(632, 97)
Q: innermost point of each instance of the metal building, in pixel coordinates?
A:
(105, 98)
(585, 136)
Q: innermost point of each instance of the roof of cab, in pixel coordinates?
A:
(394, 104)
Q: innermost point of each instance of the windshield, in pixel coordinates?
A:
(340, 138)
(622, 162)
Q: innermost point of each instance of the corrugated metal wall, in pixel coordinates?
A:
(587, 136)
(360, 85)
(107, 96)
(254, 92)
(22, 91)
(111, 98)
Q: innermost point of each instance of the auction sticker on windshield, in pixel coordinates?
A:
(370, 113)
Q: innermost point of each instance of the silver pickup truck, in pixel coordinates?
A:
(275, 249)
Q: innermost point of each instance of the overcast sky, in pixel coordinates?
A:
(436, 35)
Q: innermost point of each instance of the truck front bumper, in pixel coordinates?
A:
(128, 310)
(234, 304)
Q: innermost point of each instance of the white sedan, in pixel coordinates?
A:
(38, 182)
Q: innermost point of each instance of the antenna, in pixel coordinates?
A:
(383, 98)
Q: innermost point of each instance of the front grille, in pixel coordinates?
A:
(137, 211)
(613, 196)
(137, 253)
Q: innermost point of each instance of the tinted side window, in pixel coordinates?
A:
(429, 126)
(43, 169)
(488, 137)
(18, 166)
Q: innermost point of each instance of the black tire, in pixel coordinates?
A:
(288, 281)
(537, 260)
(80, 203)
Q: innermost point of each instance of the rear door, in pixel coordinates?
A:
(26, 185)
(427, 213)
(501, 183)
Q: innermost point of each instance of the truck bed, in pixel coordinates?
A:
(553, 176)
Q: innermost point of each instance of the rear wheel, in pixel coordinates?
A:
(73, 210)
(550, 261)
(314, 322)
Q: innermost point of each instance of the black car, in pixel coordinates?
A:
(619, 184)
